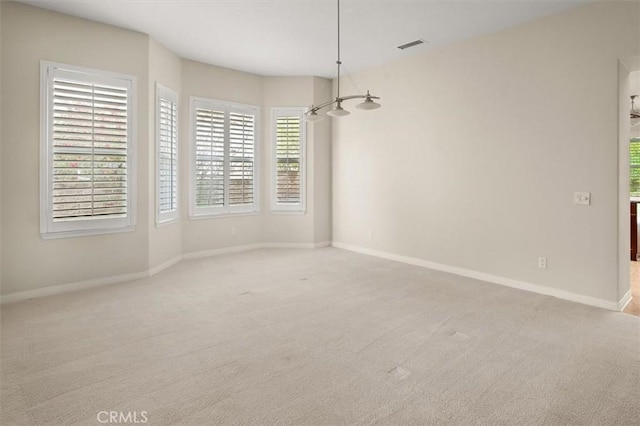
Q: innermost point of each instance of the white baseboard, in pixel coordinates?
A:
(225, 250)
(164, 265)
(535, 288)
(521, 285)
(237, 249)
(65, 288)
(298, 245)
(622, 304)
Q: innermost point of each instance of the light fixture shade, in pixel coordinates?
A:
(338, 111)
(368, 104)
(313, 116)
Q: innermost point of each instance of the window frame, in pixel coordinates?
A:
(301, 207)
(167, 217)
(226, 210)
(50, 229)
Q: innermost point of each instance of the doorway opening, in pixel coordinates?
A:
(629, 73)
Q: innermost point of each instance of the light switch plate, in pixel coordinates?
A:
(582, 198)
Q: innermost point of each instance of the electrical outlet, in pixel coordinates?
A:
(370, 233)
(582, 198)
(542, 262)
(234, 231)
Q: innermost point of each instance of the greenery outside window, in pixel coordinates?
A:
(634, 167)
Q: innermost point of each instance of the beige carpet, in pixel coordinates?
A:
(316, 337)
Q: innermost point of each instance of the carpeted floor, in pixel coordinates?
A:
(316, 337)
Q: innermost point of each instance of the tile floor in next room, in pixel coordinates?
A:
(633, 307)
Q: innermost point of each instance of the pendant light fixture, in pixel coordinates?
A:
(635, 113)
(338, 111)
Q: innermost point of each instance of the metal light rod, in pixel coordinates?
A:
(336, 100)
(368, 103)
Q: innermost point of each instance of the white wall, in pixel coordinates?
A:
(321, 134)
(473, 159)
(29, 263)
(30, 35)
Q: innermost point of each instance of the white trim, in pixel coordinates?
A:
(224, 250)
(222, 215)
(81, 285)
(623, 282)
(165, 218)
(622, 304)
(508, 282)
(521, 285)
(164, 265)
(65, 288)
(288, 212)
(249, 247)
(226, 210)
(298, 245)
(301, 207)
(94, 226)
(86, 232)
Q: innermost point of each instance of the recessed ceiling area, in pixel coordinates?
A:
(298, 37)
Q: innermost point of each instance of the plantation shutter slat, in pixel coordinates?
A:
(210, 162)
(89, 132)
(288, 160)
(167, 155)
(241, 158)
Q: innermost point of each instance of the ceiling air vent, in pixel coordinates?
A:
(411, 44)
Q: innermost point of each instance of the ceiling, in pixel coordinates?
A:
(298, 37)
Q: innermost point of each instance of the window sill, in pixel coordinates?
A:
(222, 215)
(84, 233)
(166, 222)
(289, 212)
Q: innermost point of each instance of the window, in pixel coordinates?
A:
(288, 187)
(166, 154)
(86, 151)
(634, 167)
(223, 149)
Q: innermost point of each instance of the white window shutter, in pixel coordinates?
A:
(89, 150)
(210, 161)
(241, 158)
(87, 126)
(288, 192)
(224, 145)
(167, 154)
